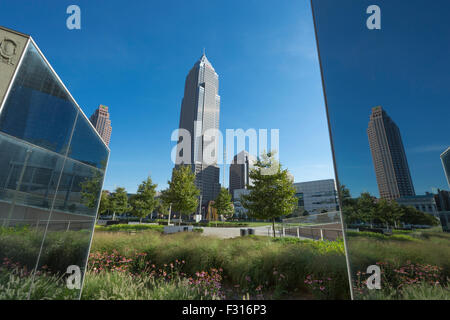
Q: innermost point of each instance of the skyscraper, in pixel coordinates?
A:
(389, 158)
(100, 120)
(445, 158)
(199, 115)
(239, 171)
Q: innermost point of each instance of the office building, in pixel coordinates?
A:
(52, 166)
(239, 171)
(317, 196)
(388, 155)
(425, 203)
(445, 158)
(200, 118)
(100, 120)
(239, 210)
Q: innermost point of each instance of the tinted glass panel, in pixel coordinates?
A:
(386, 73)
(37, 109)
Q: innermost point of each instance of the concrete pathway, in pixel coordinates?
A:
(226, 233)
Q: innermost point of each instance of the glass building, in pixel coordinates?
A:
(52, 167)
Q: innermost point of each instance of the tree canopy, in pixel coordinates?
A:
(144, 202)
(223, 204)
(272, 194)
(182, 192)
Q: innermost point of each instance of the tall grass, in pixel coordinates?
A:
(247, 263)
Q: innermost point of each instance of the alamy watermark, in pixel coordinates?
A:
(74, 20)
(209, 148)
(374, 20)
(374, 281)
(73, 281)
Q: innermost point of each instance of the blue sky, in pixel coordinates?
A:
(134, 57)
(403, 67)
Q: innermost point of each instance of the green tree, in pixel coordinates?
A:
(144, 202)
(162, 208)
(182, 193)
(223, 203)
(105, 203)
(413, 216)
(119, 202)
(272, 194)
(90, 189)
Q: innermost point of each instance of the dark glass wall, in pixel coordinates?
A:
(395, 56)
(52, 166)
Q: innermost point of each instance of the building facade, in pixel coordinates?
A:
(100, 120)
(317, 196)
(389, 157)
(239, 210)
(199, 118)
(445, 158)
(239, 171)
(425, 203)
(52, 165)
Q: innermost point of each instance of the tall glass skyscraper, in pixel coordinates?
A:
(389, 157)
(445, 158)
(52, 166)
(199, 116)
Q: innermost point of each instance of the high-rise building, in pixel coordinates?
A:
(389, 158)
(239, 171)
(100, 120)
(445, 158)
(200, 117)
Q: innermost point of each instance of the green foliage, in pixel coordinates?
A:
(61, 248)
(367, 210)
(15, 285)
(119, 201)
(123, 286)
(380, 236)
(279, 267)
(162, 208)
(182, 192)
(144, 202)
(130, 227)
(105, 203)
(90, 188)
(223, 203)
(271, 195)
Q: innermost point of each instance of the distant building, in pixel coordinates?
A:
(317, 196)
(239, 171)
(445, 158)
(389, 157)
(425, 203)
(199, 115)
(239, 210)
(442, 199)
(100, 120)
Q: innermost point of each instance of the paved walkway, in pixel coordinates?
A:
(226, 233)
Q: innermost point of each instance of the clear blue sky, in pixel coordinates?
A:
(404, 67)
(134, 56)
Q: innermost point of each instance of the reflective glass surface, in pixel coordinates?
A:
(385, 72)
(52, 166)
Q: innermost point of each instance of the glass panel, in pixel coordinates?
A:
(86, 146)
(37, 109)
(386, 73)
(48, 201)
